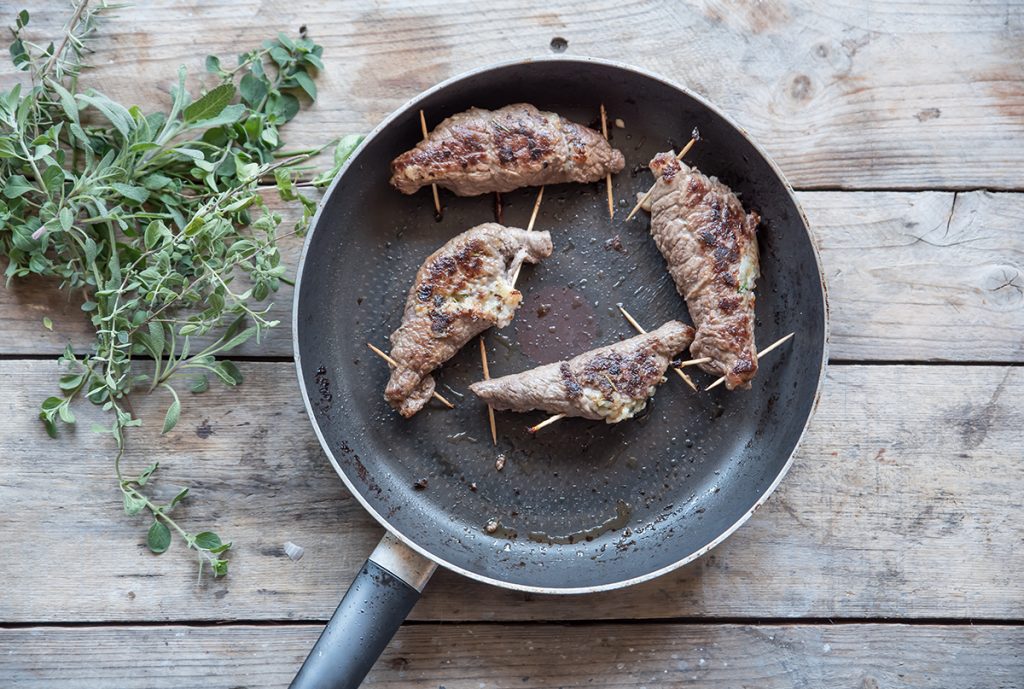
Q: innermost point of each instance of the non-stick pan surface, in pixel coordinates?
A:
(582, 505)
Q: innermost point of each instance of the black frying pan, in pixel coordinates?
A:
(582, 506)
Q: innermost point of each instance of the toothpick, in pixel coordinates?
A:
(759, 355)
(547, 422)
(607, 175)
(437, 200)
(487, 376)
(643, 200)
(394, 363)
(677, 369)
(536, 207)
(529, 228)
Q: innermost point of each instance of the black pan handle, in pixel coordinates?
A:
(378, 601)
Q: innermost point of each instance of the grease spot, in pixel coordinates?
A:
(204, 430)
(928, 114)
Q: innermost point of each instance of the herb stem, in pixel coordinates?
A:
(72, 24)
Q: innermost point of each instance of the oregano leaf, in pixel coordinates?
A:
(159, 537)
(207, 540)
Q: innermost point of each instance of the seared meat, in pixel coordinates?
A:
(709, 242)
(610, 383)
(462, 289)
(480, 151)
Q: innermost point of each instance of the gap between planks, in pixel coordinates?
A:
(695, 621)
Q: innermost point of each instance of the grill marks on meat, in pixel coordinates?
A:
(710, 245)
(612, 383)
(462, 289)
(480, 151)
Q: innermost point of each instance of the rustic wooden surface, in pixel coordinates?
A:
(867, 656)
(902, 123)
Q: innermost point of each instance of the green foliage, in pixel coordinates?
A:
(152, 220)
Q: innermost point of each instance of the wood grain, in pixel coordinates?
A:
(866, 656)
(899, 505)
(844, 95)
(928, 276)
(924, 277)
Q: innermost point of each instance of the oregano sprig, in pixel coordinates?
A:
(157, 223)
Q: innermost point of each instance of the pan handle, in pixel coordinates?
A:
(385, 589)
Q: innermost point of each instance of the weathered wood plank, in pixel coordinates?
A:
(923, 276)
(912, 276)
(903, 502)
(852, 95)
(503, 657)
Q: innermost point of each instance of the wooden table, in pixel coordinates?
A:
(891, 556)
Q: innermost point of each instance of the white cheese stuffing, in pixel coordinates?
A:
(616, 407)
(748, 274)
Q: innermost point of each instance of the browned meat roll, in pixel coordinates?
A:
(462, 289)
(710, 245)
(480, 151)
(611, 383)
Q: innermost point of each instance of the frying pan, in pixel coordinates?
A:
(582, 506)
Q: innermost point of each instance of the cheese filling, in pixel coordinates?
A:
(616, 407)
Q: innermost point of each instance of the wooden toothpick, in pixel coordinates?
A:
(487, 376)
(643, 200)
(536, 207)
(677, 369)
(529, 228)
(607, 175)
(437, 200)
(383, 355)
(547, 422)
(759, 355)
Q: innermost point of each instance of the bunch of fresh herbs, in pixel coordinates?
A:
(156, 222)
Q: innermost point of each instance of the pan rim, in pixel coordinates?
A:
(381, 519)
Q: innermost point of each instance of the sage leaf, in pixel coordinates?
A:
(173, 412)
(210, 105)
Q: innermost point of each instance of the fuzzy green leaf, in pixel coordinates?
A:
(228, 373)
(133, 504)
(173, 412)
(115, 112)
(305, 82)
(16, 186)
(137, 194)
(210, 105)
(252, 89)
(207, 540)
(144, 476)
(182, 494)
(159, 537)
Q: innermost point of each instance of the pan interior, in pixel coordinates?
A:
(581, 504)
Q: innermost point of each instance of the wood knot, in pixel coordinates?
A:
(801, 87)
(559, 44)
